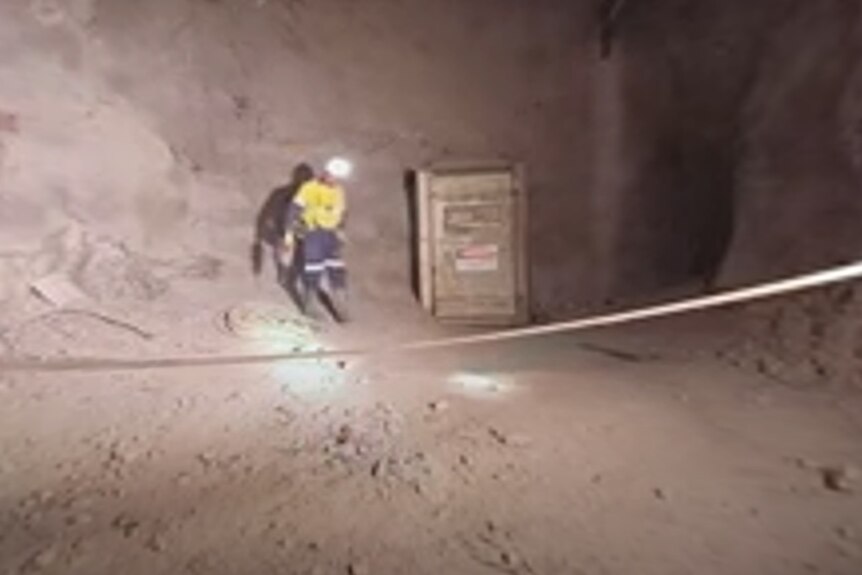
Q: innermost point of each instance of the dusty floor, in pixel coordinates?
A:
(567, 455)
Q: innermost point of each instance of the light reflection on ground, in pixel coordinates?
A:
(310, 379)
(480, 385)
(271, 329)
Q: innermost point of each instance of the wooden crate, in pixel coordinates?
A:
(473, 265)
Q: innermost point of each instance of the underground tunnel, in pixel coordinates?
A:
(225, 224)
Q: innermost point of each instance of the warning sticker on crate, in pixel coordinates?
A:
(483, 258)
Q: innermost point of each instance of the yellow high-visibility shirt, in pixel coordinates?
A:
(323, 205)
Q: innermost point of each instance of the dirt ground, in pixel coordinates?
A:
(618, 452)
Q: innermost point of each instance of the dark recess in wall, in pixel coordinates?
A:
(411, 195)
(689, 69)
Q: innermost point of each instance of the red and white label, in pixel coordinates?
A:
(482, 258)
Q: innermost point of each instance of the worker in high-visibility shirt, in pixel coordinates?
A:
(317, 215)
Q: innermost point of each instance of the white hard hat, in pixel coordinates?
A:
(339, 168)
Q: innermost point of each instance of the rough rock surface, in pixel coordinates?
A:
(162, 126)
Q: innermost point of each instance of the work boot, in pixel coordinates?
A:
(309, 304)
(340, 308)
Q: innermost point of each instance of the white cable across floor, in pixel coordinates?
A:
(801, 283)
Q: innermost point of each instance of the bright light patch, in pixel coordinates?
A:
(307, 379)
(479, 385)
(339, 168)
(270, 330)
(310, 379)
(282, 338)
(273, 326)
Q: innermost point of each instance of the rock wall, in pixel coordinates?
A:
(737, 160)
(800, 195)
(718, 144)
(160, 127)
(800, 165)
(736, 155)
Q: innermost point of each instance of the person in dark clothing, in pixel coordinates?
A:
(270, 227)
